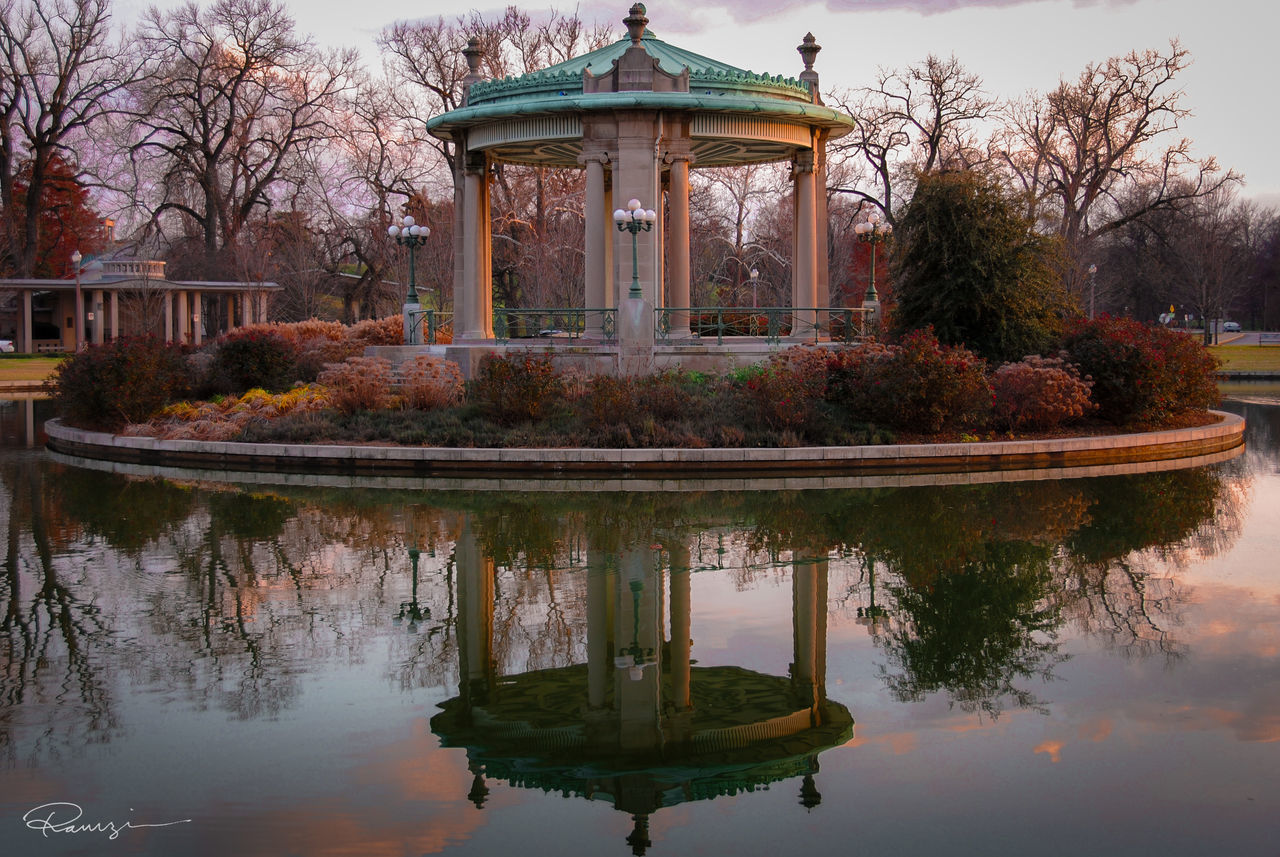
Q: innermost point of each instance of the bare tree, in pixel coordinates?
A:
(913, 120)
(1079, 150)
(234, 95)
(60, 74)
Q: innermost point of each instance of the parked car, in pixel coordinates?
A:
(6, 346)
(1231, 327)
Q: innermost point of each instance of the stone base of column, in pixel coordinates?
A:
(635, 337)
(412, 324)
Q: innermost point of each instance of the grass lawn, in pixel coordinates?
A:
(1248, 358)
(24, 368)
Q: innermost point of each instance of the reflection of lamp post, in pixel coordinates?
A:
(76, 258)
(411, 235)
(873, 231)
(635, 658)
(410, 609)
(634, 219)
(872, 616)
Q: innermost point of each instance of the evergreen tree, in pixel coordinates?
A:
(969, 265)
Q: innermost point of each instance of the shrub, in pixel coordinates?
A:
(359, 384)
(919, 386)
(252, 357)
(125, 381)
(428, 382)
(1142, 373)
(381, 331)
(1039, 393)
(515, 388)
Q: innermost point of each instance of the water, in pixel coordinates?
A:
(1041, 667)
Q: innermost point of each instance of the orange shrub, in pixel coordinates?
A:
(428, 382)
(359, 384)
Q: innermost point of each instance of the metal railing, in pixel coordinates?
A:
(838, 324)
(432, 323)
(555, 323)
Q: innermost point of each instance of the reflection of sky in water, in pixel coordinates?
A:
(254, 679)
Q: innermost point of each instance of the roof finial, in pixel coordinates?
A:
(636, 23)
(808, 49)
(473, 53)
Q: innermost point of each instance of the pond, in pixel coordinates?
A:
(194, 666)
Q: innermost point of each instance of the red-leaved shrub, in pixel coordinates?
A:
(1142, 373)
(516, 388)
(1039, 393)
(124, 381)
(919, 385)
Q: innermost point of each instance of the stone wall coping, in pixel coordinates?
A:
(980, 456)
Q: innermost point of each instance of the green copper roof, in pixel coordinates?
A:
(704, 73)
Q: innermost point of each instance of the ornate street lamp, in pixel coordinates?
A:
(76, 258)
(1093, 284)
(873, 231)
(755, 284)
(634, 658)
(634, 219)
(411, 235)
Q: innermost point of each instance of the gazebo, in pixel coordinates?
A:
(637, 115)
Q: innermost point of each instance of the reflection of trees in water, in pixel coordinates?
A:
(978, 632)
(53, 637)
(236, 593)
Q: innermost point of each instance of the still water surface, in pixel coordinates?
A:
(1069, 666)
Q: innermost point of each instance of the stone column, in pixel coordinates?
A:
(822, 219)
(24, 328)
(231, 310)
(262, 307)
(197, 318)
(115, 314)
(184, 318)
(96, 306)
(678, 210)
(168, 316)
(597, 221)
(804, 284)
(475, 308)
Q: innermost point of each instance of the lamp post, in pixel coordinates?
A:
(1093, 282)
(411, 235)
(76, 258)
(755, 283)
(873, 231)
(634, 219)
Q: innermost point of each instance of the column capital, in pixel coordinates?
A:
(476, 163)
(803, 162)
(598, 157)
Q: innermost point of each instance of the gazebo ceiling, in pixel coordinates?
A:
(735, 116)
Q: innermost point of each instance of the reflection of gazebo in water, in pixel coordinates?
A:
(638, 725)
(636, 115)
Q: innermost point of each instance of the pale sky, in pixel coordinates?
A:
(1014, 45)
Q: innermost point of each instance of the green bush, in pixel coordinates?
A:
(1142, 374)
(126, 381)
(516, 388)
(252, 358)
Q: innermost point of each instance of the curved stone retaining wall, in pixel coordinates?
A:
(1226, 434)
